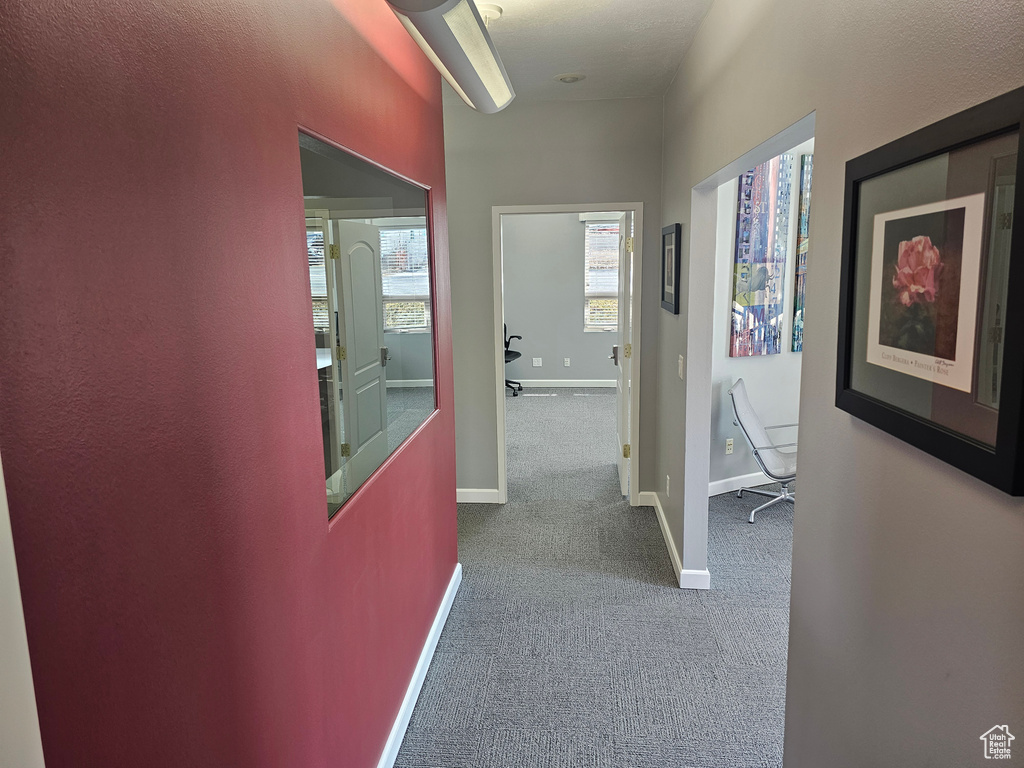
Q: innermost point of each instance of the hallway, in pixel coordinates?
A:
(569, 643)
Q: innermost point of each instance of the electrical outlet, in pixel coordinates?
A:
(682, 369)
(728, 446)
(537, 362)
(566, 362)
(668, 485)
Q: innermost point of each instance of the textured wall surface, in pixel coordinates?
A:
(546, 153)
(186, 601)
(906, 614)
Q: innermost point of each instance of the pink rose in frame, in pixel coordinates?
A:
(917, 271)
(919, 280)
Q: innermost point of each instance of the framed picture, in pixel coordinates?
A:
(759, 267)
(803, 241)
(671, 238)
(931, 348)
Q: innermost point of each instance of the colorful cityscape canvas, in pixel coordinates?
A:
(762, 233)
(802, 245)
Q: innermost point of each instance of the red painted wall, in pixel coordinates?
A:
(186, 601)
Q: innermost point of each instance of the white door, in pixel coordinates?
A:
(362, 356)
(623, 351)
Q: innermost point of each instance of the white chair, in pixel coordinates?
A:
(776, 460)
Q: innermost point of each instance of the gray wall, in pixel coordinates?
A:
(542, 258)
(907, 616)
(545, 153)
(772, 381)
(412, 356)
(20, 742)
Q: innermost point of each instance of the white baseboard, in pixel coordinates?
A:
(411, 383)
(673, 553)
(478, 496)
(567, 382)
(695, 579)
(647, 499)
(688, 579)
(735, 483)
(394, 742)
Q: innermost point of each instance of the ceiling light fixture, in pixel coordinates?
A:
(453, 35)
(572, 77)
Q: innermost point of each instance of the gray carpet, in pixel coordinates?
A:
(408, 407)
(569, 645)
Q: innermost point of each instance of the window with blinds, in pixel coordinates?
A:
(405, 273)
(318, 279)
(601, 289)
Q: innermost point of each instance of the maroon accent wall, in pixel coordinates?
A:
(187, 602)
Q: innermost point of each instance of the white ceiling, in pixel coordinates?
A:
(626, 48)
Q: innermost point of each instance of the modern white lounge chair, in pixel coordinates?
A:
(776, 460)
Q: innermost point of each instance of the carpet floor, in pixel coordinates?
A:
(570, 645)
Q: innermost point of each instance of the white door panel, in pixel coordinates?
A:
(364, 390)
(623, 377)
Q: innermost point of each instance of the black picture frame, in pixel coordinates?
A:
(671, 241)
(1000, 464)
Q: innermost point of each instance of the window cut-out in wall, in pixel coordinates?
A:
(368, 253)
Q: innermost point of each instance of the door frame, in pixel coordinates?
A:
(497, 212)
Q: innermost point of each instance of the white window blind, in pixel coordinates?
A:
(318, 279)
(405, 278)
(601, 265)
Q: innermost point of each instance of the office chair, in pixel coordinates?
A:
(510, 355)
(777, 464)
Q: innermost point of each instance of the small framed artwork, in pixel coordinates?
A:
(929, 341)
(671, 238)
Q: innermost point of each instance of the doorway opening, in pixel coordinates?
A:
(760, 270)
(711, 371)
(567, 280)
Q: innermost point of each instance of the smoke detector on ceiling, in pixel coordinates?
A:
(571, 77)
(489, 12)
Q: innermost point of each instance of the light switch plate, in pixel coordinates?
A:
(728, 446)
(537, 362)
(566, 362)
(682, 369)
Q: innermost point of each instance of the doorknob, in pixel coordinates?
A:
(384, 357)
(615, 354)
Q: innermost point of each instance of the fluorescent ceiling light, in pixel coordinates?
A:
(454, 37)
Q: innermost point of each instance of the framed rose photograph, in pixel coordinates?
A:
(925, 264)
(929, 329)
(671, 237)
